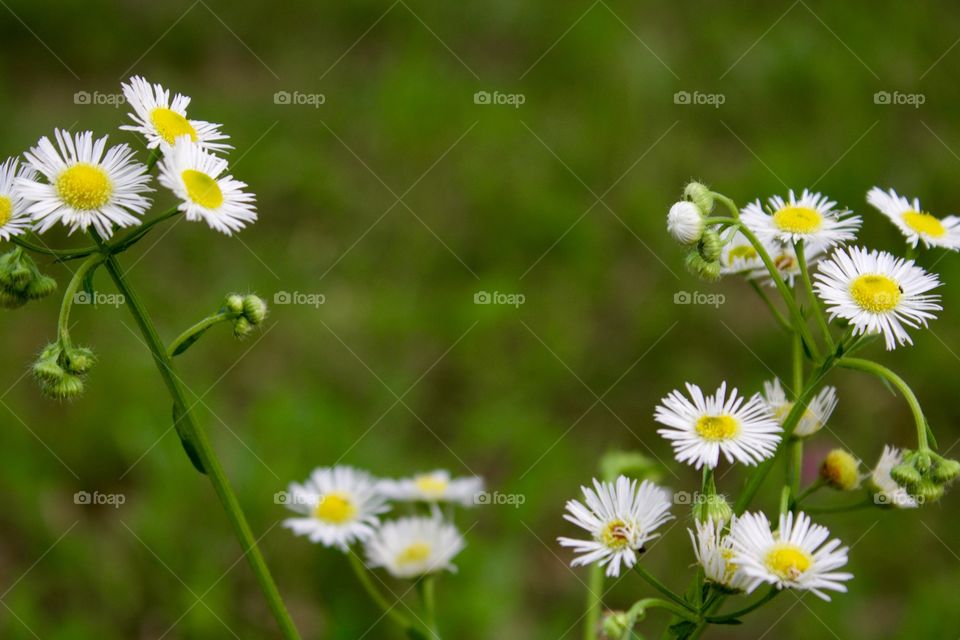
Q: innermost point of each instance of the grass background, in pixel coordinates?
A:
(493, 198)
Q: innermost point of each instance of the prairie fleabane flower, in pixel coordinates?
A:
(739, 256)
(841, 470)
(916, 224)
(714, 552)
(84, 187)
(685, 222)
(701, 429)
(815, 416)
(812, 218)
(434, 486)
(877, 292)
(161, 121)
(195, 177)
(414, 547)
(888, 491)
(793, 557)
(621, 518)
(14, 219)
(339, 505)
(784, 257)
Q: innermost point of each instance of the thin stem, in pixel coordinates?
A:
(61, 255)
(811, 296)
(198, 439)
(196, 330)
(662, 588)
(428, 595)
(388, 608)
(134, 236)
(69, 297)
(594, 602)
(641, 606)
(770, 595)
(814, 486)
(782, 321)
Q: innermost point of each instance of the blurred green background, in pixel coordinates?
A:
(492, 197)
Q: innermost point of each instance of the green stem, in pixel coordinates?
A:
(133, 237)
(783, 322)
(60, 255)
(641, 606)
(727, 617)
(594, 602)
(197, 329)
(69, 297)
(811, 296)
(428, 596)
(662, 588)
(389, 609)
(815, 486)
(198, 439)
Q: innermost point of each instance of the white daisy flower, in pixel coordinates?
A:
(793, 557)
(877, 292)
(784, 257)
(818, 410)
(14, 219)
(812, 218)
(714, 552)
(915, 223)
(161, 121)
(888, 491)
(700, 430)
(414, 547)
(434, 486)
(621, 518)
(739, 256)
(194, 176)
(339, 506)
(84, 187)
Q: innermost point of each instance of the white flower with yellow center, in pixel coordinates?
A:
(414, 547)
(784, 257)
(915, 223)
(888, 491)
(620, 517)
(87, 185)
(877, 293)
(812, 218)
(162, 121)
(14, 219)
(714, 552)
(434, 486)
(815, 416)
(338, 506)
(701, 429)
(739, 256)
(793, 557)
(195, 177)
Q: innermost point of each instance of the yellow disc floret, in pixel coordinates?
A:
(742, 252)
(924, 223)
(616, 534)
(717, 428)
(170, 125)
(788, 561)
(432, 486)
(335, 508)
(84, 187)
(416, 553)
(797, 219)
(875, 292)
(202, 189)
(840, 470)
(6, 210)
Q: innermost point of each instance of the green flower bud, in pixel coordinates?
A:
(234, 303)
(40, 287)
(928, 491)
(696, 265)
(945, 471)
(11, 299)
(78, 360)
(711, 246)
(700, 195)
(47, 369)
(905, 475)
(242, 328)
(714, 508)
(841, 470)
(66, 388)
(20, 280)
(617, 624)
(254, 309)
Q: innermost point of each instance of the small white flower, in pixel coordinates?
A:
(714, 552)
(739, 256)
(818, 410)
(891, 492)
(784, 257)
(414, 547)
(195, 177)
(915, 223)
(84, 187)
(14, 219)
(434, 486)
(339, 506)
(877, 293)
(161, 121)
(621, 518)
(700, 430)
(793, 557)
(812, 218)
(685, 222)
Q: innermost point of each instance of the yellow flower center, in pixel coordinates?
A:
(335, 508)
(797, 219)
(6, 210)
(416, 553)
(717, 428)
(431, 486)
(788, 561)
(743, 251)
(616, 534)
(171, 125)
(875, 292)
(84, 187)
(202, 189)
(924, 223)
(781, 412)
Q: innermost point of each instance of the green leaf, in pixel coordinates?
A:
(188, 447)
(683, 630)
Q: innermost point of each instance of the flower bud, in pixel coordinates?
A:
(40, 287)
(712, 507)
(10, 299)
(711, 246)
(700, 195)
(254, 309)
(928, 491)
(234, 303)
(66, 388)
(685, 222)
(78, 360)
(20, 280)
(905, 475)
(617, 624)
(841, 470)
(242, 328)
(696, 265)
(945, 471)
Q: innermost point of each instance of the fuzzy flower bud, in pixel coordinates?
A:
(928, 491)
(55, 379)
(946, 471)
(254, 309)
(700, 267)
(685, 222)
(234, 303)
(710, 246)
(700, 195)
(242, 328)
(713, 507)
(841, 470)
(905, 475)
(21, 280)
(617, 624)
